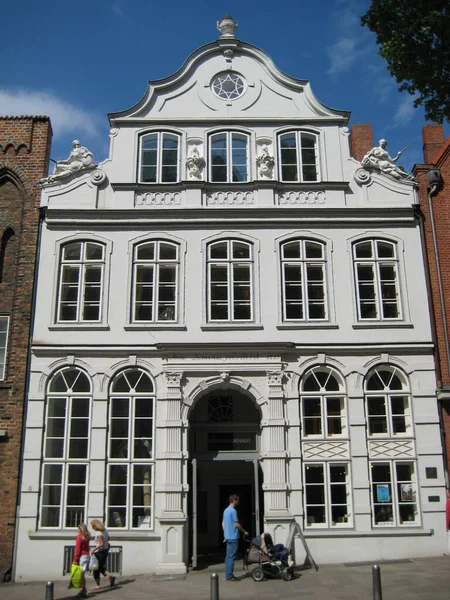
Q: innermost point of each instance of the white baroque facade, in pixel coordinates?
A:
(230, 303)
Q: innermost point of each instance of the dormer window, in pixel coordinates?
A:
(160, 158)
(299, 161)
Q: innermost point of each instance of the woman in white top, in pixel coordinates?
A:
(100, 550)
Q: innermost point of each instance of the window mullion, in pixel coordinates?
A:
(379, 293)
(229, 143)
(159, 155)
(305, 290)
(230, 279)
(298, 139)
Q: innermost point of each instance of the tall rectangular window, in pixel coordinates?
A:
(4, 329)
(81, 275)
(304, 293)
(376, 276)
(230, 281)
(155, 282)
(327, 495)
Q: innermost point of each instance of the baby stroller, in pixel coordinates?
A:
(271, 560)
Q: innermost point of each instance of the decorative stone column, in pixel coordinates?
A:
(274, 457)
(169, 457)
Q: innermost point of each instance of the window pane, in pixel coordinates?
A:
(385, 250)
(167, 251)
(94, 251)
(364, 250)
(313, 250)
(146, 251)
(291, 250)
(72, 251)
(219, 250)
(289, 173)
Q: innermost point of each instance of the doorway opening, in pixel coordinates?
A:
(224, 451)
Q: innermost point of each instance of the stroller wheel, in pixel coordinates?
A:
(257, 574)
(288, 575)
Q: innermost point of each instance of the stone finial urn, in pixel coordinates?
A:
(227, 26)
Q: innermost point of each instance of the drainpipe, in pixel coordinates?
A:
(434, 179)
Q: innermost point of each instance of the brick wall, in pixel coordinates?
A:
(361, 140)
(437, 154)
(24, 157)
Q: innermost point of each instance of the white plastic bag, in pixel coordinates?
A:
(93, 563)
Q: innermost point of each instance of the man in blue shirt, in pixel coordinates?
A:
(231, 528)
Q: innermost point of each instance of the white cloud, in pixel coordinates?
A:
(343, 54)
(117, 9)
(65, 117)
(405, 111)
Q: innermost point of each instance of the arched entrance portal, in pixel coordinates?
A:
(224, 435)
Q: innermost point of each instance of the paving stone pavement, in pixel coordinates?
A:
(421, 578)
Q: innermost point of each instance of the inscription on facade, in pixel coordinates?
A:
(245, 356)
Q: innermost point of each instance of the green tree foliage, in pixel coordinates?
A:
(414, 39)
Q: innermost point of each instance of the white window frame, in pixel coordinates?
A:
(229, 136)
(303, 263)
(82, 264)
(388, 394)
(322, 395)
(4, 339)
(299, 159)
(376, 263)
(393, 485)
(157, 286)
(230, 263)
(65, 461)
(159, 157)
(327, 485)
(128, 463)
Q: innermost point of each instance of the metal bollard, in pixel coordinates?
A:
(376, 576)
(214, 587)
(49, 590)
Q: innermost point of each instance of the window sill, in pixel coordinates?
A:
(382, 325)
(52, 534)
(387, 532)
(308, 325)
(80, 326)
(154, 326)
(228, 326)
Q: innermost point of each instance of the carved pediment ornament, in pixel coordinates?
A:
(195, 163)
(227, 26)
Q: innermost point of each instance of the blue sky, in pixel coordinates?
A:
(78, 61)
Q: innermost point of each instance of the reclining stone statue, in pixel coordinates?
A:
(80, 158)
(379, 159)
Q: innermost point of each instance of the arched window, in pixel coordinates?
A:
(387, 403)
(394, 495)
(156, 267)
(324, 417)
(299, 159)
(230, 281)
(160, 158)
(323, 404)
(81, 280)
(376, 276)
(4, 252)
(66, 449)
(303, 272)
(228, 157)
(130, 451)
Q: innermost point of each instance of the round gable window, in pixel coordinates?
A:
(228, 85)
